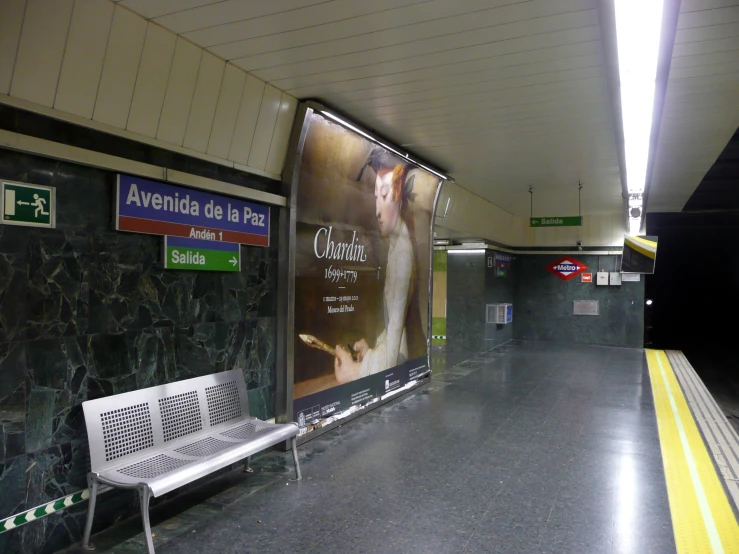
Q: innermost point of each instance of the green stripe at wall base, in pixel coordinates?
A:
(44, 510)
(438, 331)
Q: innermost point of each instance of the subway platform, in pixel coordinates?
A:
(530, 447)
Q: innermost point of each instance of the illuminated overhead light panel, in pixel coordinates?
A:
(638, 29)
(373, 139)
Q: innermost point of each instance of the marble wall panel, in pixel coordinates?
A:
(544, 303)
(498, 290)
(465, 315)
(87, 312)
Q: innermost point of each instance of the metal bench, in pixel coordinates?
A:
(161, 438)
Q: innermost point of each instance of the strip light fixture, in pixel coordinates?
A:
(638, 30)
(373, 139)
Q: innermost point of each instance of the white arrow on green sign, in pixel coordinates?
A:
(201, 255)
(28, 205)
(557, 221)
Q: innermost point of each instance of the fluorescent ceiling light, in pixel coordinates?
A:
(464, 251)
(634, 225)
(638, 29)
(373, 139)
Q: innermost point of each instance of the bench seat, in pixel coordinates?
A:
(196, 456)
(158, 439)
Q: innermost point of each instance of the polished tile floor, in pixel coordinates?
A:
(530, 448)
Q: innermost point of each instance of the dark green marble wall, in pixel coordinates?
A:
(543, 304)
(87, 312)
(498, 290)
(465, 309)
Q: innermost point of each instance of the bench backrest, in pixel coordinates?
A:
(127, 425)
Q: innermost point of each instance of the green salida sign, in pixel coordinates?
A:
(28, 205)
(201, 255)
(558, 221)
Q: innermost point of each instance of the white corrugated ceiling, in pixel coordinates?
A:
(702, 105)
(503, 94)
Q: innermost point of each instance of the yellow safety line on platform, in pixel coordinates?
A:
(702, 518)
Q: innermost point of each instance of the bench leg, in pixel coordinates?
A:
(247, 467)
(92, 485)
(144, 497)
(298, 477)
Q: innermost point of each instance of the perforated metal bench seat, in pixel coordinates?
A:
(188, 460)
(161, 438)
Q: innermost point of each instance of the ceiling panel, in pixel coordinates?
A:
(364, 28)
(704, 17)
(230, 16)
(487, 36)
(502, 74)
(443, 60)
(448, 73)
(489, 22)
(503, 94)
(483, 89)
(157, 8)
(701, 110)
(310, 14)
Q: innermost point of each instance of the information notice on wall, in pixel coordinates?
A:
(363, 253)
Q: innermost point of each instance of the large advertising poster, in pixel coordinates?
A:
(362, 273)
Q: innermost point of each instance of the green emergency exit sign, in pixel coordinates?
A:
(28, 205)
(574, 221)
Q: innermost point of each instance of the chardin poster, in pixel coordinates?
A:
(362, 272)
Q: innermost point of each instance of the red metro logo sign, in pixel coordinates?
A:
(567, 268)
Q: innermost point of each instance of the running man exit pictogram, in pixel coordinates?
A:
(28, 205)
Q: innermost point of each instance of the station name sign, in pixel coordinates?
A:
(502, 260)
(144, 206)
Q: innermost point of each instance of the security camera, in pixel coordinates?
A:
(579, 245)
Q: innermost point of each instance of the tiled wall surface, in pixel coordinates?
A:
(107, 67)
(86, 312)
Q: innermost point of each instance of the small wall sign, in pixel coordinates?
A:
(201, 255)
(585, 307)
(562, 221)
(502, 260)
(567, 268)
(28, 205)
(587, 277)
